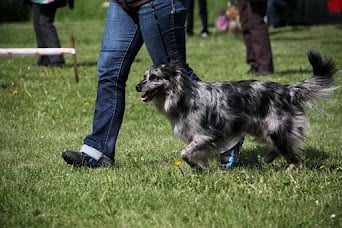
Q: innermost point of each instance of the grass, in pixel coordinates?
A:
(44, 111)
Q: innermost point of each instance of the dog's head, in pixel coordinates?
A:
(233, 13)
(159, 80)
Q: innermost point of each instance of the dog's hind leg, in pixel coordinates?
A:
(288, 148)
(274, 152)
(196, 154)
(271, 156)
(293, 158)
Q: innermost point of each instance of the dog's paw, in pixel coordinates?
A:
(292, 167)
(195, 163)
(187, 159)
(271, 156)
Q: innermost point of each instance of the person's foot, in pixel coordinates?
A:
(79, 159)
(252, 70)
(205, 34)
(263, 73)
(230, 158)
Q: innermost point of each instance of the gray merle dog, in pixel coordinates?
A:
(208, 115)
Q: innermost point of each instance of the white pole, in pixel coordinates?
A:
(37, 51)
(43, 51)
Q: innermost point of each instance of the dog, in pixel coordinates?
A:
(207, 116)
(233, 14)
(229, 19)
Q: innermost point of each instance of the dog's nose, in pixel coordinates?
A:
(138, 87)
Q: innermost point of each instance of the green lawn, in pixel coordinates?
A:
(44, 111)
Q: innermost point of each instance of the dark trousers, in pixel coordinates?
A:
(46, 33)
(203, 15)
(255, 35)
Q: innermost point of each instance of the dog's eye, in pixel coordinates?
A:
(153, 77)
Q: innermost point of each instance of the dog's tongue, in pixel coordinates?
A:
(145, 97)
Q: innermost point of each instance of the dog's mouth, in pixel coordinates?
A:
(148, 96)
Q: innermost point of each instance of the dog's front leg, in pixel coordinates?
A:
(196, 153)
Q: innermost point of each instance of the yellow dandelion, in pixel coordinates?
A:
(178, 163)
(322, 167)
(15, 92)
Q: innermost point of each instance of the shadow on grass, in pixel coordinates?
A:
(312, 158)
(292, 29)
(294, 71)
(252, 158)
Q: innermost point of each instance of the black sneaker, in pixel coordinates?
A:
(79, 159)
(230, 158)
(252, 70)
(263, 73)
(205, 34)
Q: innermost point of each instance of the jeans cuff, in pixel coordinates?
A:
(231, 144)
(90, 151)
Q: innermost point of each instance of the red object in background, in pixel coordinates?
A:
(335, 6)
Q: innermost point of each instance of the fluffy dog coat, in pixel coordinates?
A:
(207, 116)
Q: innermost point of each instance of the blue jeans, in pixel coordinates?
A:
(274, 11)
(123, 37)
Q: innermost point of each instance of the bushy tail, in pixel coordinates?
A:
(319, 85)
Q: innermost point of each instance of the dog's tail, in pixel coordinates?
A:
(319, 85)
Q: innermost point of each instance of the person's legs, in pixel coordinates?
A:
(243, 6)
(162, 27)
(120, 43)
(204, 15)
(272, 13)
(261, 43)
(42, 60)
(190, 18)
(46, 33)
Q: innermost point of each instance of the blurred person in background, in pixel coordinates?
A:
(203, 11)
(44, 12)
(279, 12)
(256, 36)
